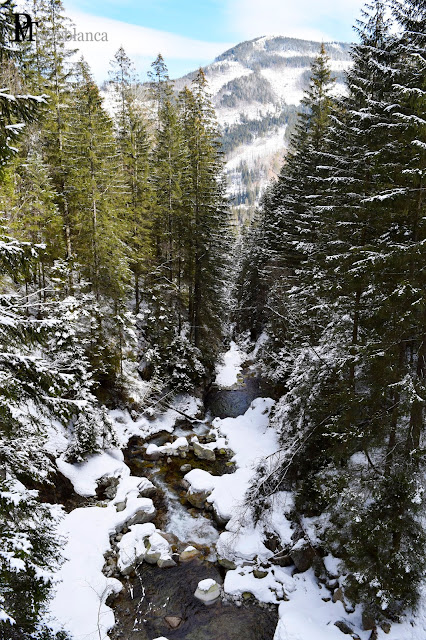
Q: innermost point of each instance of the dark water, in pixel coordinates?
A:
(230, 403)
(158, 593)
(152, 594)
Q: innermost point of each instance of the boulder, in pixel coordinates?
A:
(185, 468)
(197, 498)
(120, 506)
(203, 453)
(145, 514)
(107, 487)
(165, 561)
(302, 555)
(220, 519)
(170, 537)
(226, 564)
(272, 542)
(208, 591)
(368, 621)
(131, 547)
(282, 559)
(152, 452)
(260, 573)
(158, 548)
(338, 596)
(173, 621)
(344, 628)
(152, 556)
(146, 488)
(189, 554)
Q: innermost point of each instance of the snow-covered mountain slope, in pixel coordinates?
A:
(256, 88)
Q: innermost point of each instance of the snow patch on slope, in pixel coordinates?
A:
(260, 147)
(220, 73)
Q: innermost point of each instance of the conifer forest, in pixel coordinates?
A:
(211, 430)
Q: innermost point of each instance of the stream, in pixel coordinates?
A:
(158, 603)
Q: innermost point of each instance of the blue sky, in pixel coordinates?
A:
(190, 34)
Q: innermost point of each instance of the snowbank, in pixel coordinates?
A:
(251, 438)
(227, 373)
(79, 601)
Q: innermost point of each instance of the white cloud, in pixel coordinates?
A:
(142, 44)
(309, 19)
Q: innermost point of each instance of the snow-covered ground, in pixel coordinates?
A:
(306, 610)
(220, 73)
(227, 372)
(79, 601)
(251, 438)
(81, 591)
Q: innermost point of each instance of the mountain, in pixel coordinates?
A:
(256, 88)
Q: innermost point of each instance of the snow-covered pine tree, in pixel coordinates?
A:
(28, 390)
(288, 226)
(357, 391)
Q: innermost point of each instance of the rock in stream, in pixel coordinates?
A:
(157, 602)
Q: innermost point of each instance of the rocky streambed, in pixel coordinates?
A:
(157, 599)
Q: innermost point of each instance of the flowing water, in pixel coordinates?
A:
(154, 600)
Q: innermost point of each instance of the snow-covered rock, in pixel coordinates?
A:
(208, 591)
(203, 452)
(189, 554)
(131, 548)
(157, 547)
(145, 512)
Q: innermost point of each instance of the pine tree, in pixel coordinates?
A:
(47, 69)
(17, 107)
(133, 146)
(355, 390)
(166, 279)
(210, 238)
(96, 193)
(95, 189)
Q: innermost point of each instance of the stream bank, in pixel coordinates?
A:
(157, 602)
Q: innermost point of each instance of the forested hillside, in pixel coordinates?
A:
(114, 246)
(210, 432)
(333, 279)
(256, 89)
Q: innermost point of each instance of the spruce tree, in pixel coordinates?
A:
(95, 189)
(48, 70)
(96, 194)
(210, 238)
(133, 147)
(355, 390)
